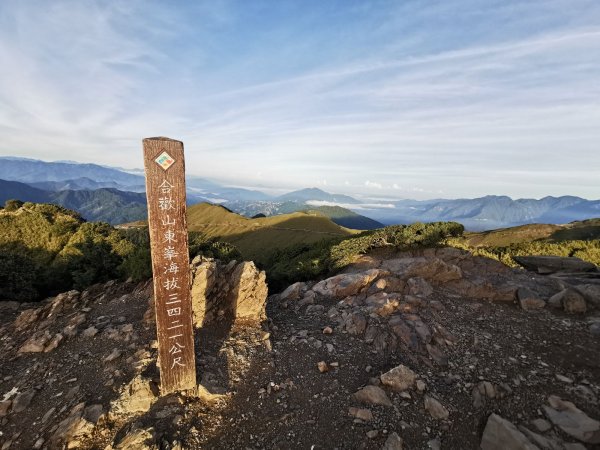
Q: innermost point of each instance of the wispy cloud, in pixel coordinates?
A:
(421, 99)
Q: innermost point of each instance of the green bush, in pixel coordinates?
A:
(12, 205)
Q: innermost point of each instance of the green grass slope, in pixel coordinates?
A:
(258, 238)
(580, 239)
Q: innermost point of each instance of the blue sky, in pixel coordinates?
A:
(386, 99)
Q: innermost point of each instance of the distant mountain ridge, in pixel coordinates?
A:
(35, 171)
(315, 194)
(100, 205)
(477, 214)
(492, 211)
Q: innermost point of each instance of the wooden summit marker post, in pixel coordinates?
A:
(165, 191)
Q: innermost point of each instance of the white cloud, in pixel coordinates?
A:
(373, 184)
(514, 111)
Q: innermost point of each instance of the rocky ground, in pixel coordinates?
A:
(432, 349)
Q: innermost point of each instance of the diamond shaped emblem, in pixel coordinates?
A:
(164, 160)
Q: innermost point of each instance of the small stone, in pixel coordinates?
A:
(399, 378)
(372, 434)
(434, 444)
(327, 330)
(435, 408)
(116, 353)
(361, 413)
(421, 386)
(322, 366)
(541, 425)
(393, 442)
(4, 407)
(22, 401)
(373, 395)
(90, 332)
(595, 328)
(564, 379)
(489, 389)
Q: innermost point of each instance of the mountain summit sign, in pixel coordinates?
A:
(165, 192)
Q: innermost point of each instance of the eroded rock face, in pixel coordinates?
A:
(234, 291)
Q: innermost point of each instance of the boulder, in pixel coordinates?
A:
(529, 300)
(399, 378)
(293, 292)
(432, 269)
(347, 284)
(553, 264)
(591, 293)
(500, 434)
(234, 291)
(570, 300)
(572, 420)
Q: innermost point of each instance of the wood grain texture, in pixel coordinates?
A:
(165, 192)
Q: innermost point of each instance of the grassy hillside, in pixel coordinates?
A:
(513, 235)
(347, 218)
(580, 230)
(580, 239)
(46, 249)
(258, 238)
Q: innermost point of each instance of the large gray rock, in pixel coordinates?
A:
(572, 420)
(552, 264)
(234, 291)
(500, 434)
